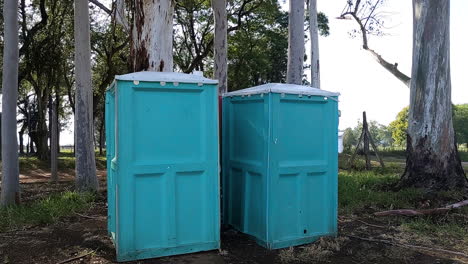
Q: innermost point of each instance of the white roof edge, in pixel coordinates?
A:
(147, 76)
(282, 88)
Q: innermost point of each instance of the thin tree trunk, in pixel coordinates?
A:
(10, 193)
(433, 161)
(21, 141)
(101, 140)
(220, 44)
(86, 179)
(314, 45)
(53, 145)
(296, 42)
(101, 133)
(57, 111)
(41, 130)
(151, 48)
(50, 127)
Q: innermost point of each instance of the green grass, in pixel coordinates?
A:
(437, 227)
(361, 191)
(365, 192)
(65, 161)
(44, 211)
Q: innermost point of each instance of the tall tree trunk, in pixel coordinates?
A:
(295, 42)
(53, 144)
(51, 120)
(57, 110)
(101, 139)
(10, 193)
(314, 45)
(433, 162)
(151, 48)
(220, 44)
(101, 133)
(86, 179)
(41, 129)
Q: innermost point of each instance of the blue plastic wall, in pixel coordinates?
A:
(163, 168)
(280, 167)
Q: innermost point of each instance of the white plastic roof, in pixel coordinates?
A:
(282, 88)
(147, 76)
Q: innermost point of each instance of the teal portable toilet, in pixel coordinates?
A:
(162, 164)
(280, 163)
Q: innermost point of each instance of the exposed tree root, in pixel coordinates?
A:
(414, 212)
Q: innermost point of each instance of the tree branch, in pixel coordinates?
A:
(392, 68)
(101, 6)
(413, 212)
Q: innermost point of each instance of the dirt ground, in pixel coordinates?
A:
(82, 238)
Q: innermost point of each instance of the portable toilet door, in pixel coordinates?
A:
(280, 163)
(163, 164)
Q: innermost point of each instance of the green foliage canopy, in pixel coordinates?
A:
(399, 127)
(460, 124)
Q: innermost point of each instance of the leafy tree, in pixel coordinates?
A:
(399, 127)
(257, 40)
(350, 139)
(460, 123)
(380, 133)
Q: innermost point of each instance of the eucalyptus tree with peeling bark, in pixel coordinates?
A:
(433, 161)
(86, 179)
(220, 44)
(151, 48)
(10, 192)
(295, 42)
(314, 45)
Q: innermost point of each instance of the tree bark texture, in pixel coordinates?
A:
(314, 45)
(10, 192)
(433, 161)
(86, 179)
(295, 42)
(220, 44)
(151, 48)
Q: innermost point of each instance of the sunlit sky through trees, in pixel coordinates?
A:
(364, 85)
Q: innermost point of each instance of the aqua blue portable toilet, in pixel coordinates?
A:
(280, 163)
(163, 164)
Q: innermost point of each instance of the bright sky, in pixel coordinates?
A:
(365, 85)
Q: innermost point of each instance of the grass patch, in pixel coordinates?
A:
(370, 190)
(65, 161)
(44, 211)
(437, 227)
